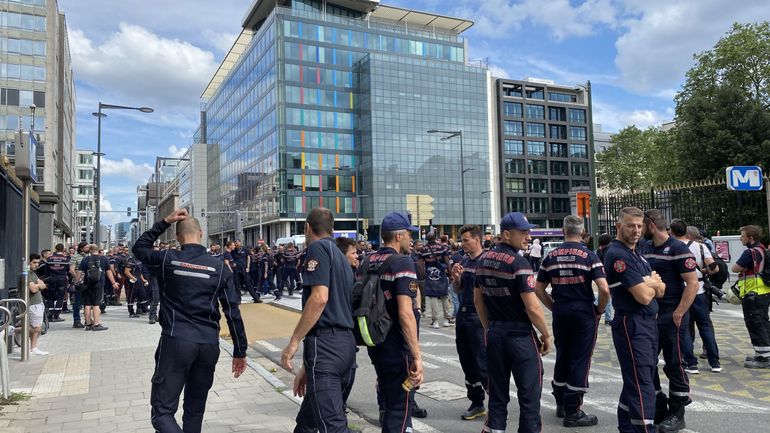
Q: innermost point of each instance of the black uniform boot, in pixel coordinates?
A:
(580, 419)
(661, 407)
(674, 421)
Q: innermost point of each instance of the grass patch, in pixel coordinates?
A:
(15, 398)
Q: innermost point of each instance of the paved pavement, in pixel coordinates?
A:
(100, 381)
(735, 400)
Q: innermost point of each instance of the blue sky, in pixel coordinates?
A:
(163, 53)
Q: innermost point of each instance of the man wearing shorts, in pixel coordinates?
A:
(36, 308)
(92, 296)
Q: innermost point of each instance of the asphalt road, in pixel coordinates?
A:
(737, 400)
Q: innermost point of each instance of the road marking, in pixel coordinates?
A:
(443, 391)
(452, 362)
(423, 428)
(267, 346)
(429, 366)
(431, 344)
(439, 334)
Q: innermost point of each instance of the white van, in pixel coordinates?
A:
(297, 240)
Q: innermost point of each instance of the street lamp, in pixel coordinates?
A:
(450, 135)
(98, 189)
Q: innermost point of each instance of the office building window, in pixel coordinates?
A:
(557, 113)
(536, 148)
(514, 185)
(580, 183)
(85, 174)
(559, 186)
(535, 130)
(514, 166)
(580, 169)
(513, 147)
(577, 115)
(511, 127)
(516, 204)
(558, 132)
(578, 150)
(512, 109)
(560, 205)
(577, 133)
(535, 111)
(535, 93)
(559, 168)
(539, 186)
(86, 158)
(559, 150)
(538, 205)
(512, 90)
(561, 97)
(537, 166)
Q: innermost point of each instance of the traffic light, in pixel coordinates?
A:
(203, 213)
(128, 212)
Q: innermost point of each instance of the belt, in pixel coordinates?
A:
(328, 330)
(645, 315)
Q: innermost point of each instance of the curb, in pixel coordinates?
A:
(284, 307)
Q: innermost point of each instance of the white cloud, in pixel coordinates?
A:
(222, 41)
(496, 18)
(613, 118)
(104, 203)
(135, 64)
(176, 152)
(498, 72)
(127, 169)
(661, 37)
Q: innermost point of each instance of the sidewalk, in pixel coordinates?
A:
(100, 381)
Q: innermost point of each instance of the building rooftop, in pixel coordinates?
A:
(239, 46)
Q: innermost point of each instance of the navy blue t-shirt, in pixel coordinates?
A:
(468, 280)
(503, 275)
(751, 260)
(58, 265)
(327, 266)
(398, 278)
(671, 259)
(626, 268)
(570, 269)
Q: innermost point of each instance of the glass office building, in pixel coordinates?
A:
(328, 103)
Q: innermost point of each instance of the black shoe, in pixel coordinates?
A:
(758, 362)
(55, 319)
(99, 327)
(661, 408)
(474, 412)
(672, 423)
(580, 419)
(560, 411)
(703, 355)
(257, 301)
(418, 412)
(89, 327)
(152, 320)
(78, 325)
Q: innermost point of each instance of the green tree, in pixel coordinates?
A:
(633, 161)
(723, 110)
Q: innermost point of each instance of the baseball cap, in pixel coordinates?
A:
(395, 221)
(515, 221)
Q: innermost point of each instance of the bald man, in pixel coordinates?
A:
(190, 282)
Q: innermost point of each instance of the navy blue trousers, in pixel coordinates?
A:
(574, 328)
(469, 339)
(181, 364)
(329, 356)
(512, 348)
(636, 342)
(673, 341)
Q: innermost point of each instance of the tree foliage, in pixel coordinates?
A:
(723, 110)
(636, 160)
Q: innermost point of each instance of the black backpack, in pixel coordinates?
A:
(372, 321)
(764, 270)
(719, 278)
(94, 272)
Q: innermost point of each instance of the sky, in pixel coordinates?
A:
(162, 54)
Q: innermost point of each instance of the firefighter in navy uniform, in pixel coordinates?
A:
(325, 328)
(57, 279)
(191, 282)
(634, 287)
(289, 269)
(469, 333)
(675, 264)
(397, 360)
(508, 308)
(571, 269)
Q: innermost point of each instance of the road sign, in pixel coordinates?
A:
(744, 178)
(421, 208)
(583, 204)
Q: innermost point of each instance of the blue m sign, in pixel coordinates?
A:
(744, 178)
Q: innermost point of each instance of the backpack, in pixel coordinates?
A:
(94, 272)
(719, 278)
(372, 321)
(764, 270)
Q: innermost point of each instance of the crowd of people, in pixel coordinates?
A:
(653, 284)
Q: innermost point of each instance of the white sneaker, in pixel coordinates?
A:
(36, 351)
(446, 324)
(434, 325)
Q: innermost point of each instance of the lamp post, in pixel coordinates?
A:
(450, 135)
(98, 189)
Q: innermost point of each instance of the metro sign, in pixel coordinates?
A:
(744, 178)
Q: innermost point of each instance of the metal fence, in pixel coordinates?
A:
(708, 205)
(11, 230)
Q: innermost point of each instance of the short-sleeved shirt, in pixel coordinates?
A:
(751, 260)
(58, 265)
(701, 253)
(37, 297)
(434, 254)
(397, 278)
(289, 258)
(670, 260)
(468, 280)
(104, 263)
(327, 266)
(625, 268)
(570, 269)
(503, 275)
(229, 257)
